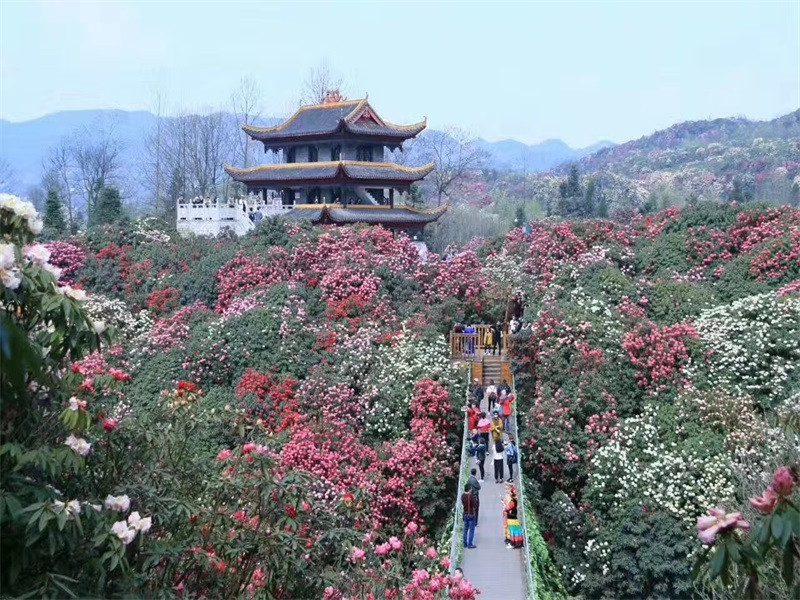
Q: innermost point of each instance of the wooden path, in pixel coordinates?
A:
(498, 572)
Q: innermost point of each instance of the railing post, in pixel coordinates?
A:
(521, 500)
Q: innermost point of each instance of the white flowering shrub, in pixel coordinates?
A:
(114, 313)
(642, 463)
(753, 346)
(398, 367)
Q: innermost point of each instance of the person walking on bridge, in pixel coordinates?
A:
(491, 394)
(499, 455)
(470, 505)
(512, 457)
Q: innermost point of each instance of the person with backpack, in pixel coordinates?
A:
(498, 454)
(478, 450)
(473, 416)
(491, 394)
(470, 505)
(512, 457)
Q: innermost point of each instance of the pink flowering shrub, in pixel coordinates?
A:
(67, 257)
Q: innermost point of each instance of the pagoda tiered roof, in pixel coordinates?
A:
(355, 117)
(398, 216)
(340, 171)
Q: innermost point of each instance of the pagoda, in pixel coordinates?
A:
(332, 168)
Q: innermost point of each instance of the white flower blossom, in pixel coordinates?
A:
(7, 256)
(79, 445)
(118, 503)
(37, 254)
(123, 532)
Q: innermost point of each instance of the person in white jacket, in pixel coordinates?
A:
(499, 455)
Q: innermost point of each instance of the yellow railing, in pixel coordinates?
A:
(474, 346)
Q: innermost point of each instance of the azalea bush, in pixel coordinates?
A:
(658, 371)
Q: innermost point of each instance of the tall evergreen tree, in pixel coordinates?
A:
(602, 207)
(519, 216)
(571, 200)
(108, 208)
(54, 213)
(587, 210)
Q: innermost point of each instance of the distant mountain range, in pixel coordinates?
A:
(512, 155)
(24, 145)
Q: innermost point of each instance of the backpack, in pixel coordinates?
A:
(511, 454)
(472, 448)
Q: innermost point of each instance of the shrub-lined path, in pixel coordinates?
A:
(499, 573)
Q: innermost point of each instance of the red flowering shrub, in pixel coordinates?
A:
(164, 301)
(659, 353)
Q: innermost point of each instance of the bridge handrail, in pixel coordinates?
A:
(522, 502)
(456, 543)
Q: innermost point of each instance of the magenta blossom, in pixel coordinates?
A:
(765, 503)
(709, 527)
(783, 482)
(359, 554)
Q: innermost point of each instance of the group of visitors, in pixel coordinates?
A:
(487, 338)
(490, 436)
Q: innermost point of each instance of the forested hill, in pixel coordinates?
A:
(733, 158)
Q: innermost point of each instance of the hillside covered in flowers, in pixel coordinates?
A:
(277, 415)
(659, 380)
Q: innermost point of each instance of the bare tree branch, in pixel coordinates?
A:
(455, 153)
(319, 82)
(246, 105)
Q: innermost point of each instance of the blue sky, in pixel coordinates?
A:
(579, 71)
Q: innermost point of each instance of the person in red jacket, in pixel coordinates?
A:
(506, 402)
(473, 416)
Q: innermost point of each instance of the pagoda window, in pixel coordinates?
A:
(314, 195)
(291, 155)
(313, 154)
(364, 153)
(336, 153)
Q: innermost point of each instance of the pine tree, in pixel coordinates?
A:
(587, 210)
(602, 207)
(108, 208)
(571, 200)
(54, 213)
(519, 216)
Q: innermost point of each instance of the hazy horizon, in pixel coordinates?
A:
(579, 72)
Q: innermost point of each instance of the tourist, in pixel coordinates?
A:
(470, 516)
(497, 427)
(480, 453)
(475, 486)
(478, 392)
(484, 427)
(498, 338)
(491, 393)
(504, 386)
(512, 456)
(470, 330)
(513, 325)
(512, 529)
(498, 454)
(459, 328)
(488, 340)
(507, 410)
(473, 416)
